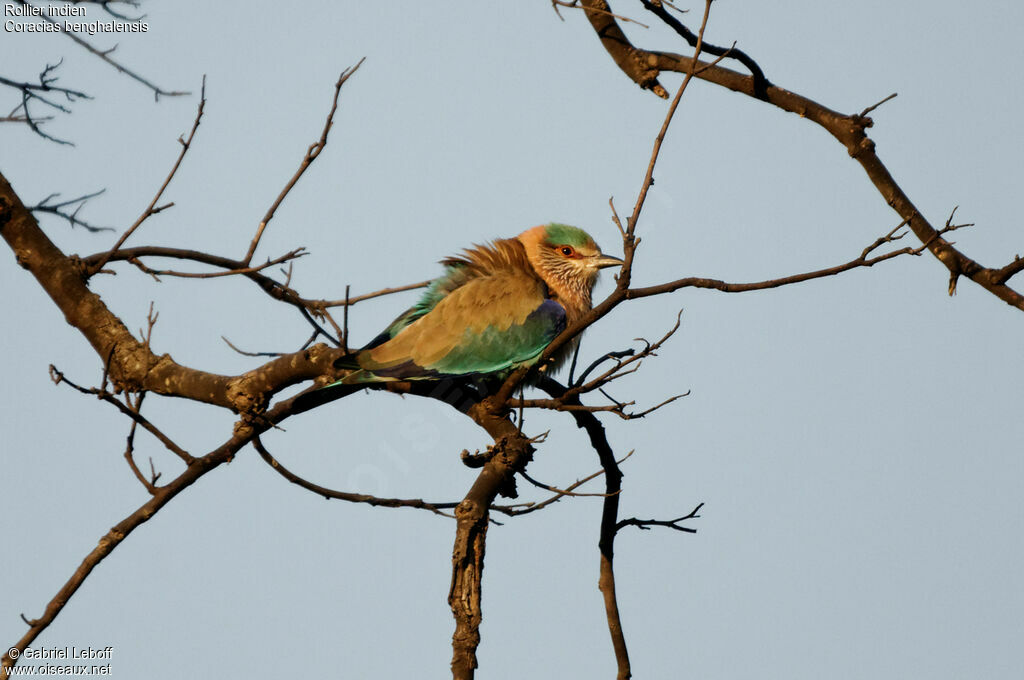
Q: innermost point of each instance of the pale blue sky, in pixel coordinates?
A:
(856, 440)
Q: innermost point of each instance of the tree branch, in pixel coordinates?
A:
(132, 365)
(72, 217)
(512, 451)
(105, 56)
(646, 524)
(311, 155)
(375, 501)
(152, 208)
(625, 55)
(526, 508)
(136, 417)
(643, 67)
(113, 538)
(609, 517)
(30, 92)
(700, 282)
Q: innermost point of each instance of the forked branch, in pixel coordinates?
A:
(105, 54)
(644, 66)
(153, 208)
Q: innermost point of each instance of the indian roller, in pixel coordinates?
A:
(495, 308)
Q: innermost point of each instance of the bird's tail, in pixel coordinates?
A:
(337, 389)
(357, 374)
(323, 395)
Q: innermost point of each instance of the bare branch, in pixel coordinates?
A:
(30, 92)
(349, 301)
(275, 289)
(949, 226)
(152, 208)
(526, 508)
(375, 501)
(865, 112)
(561, 492)
(861, 261)
(105, 56)
(575, 4)
(58, 377)
(882, 240)
(511, 453)
(105, 4)
(629, 357)
(113, 538)
(615, 217)
(641, 414)
(609, 517)
(129, 451)
(1011, 269)
(72, 217)
(643, 67)
(235, 271)
(311, 155)
(628, 59)
(569, 399)
(252, 354)
(761, 83)
(646, 524)
(609, 356)
(629, 243)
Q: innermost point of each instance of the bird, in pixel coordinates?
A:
(494, 309)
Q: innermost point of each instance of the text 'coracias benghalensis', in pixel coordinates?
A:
(495, 308)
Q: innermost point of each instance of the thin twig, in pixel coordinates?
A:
(525, 508)
(152, 208)
(716, 284)
(761, 83)
(269, 459)
(299, 252)
(252, 354)
(865, 112)
(105, 56)
(574, 4)
(646, 524)
(58, 377)
(149, 484)
(119, 532)
(348, 301)
(643, 66)
(561, 492)
(659, 140)
(31, 92)
(311, 155)
(72, 217)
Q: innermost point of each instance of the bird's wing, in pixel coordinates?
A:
(454, 276)
(488, 324)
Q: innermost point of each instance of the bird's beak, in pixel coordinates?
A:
(602, 261)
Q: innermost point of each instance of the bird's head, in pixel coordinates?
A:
(567, 258)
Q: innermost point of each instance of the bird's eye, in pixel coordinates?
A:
(567, 251)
